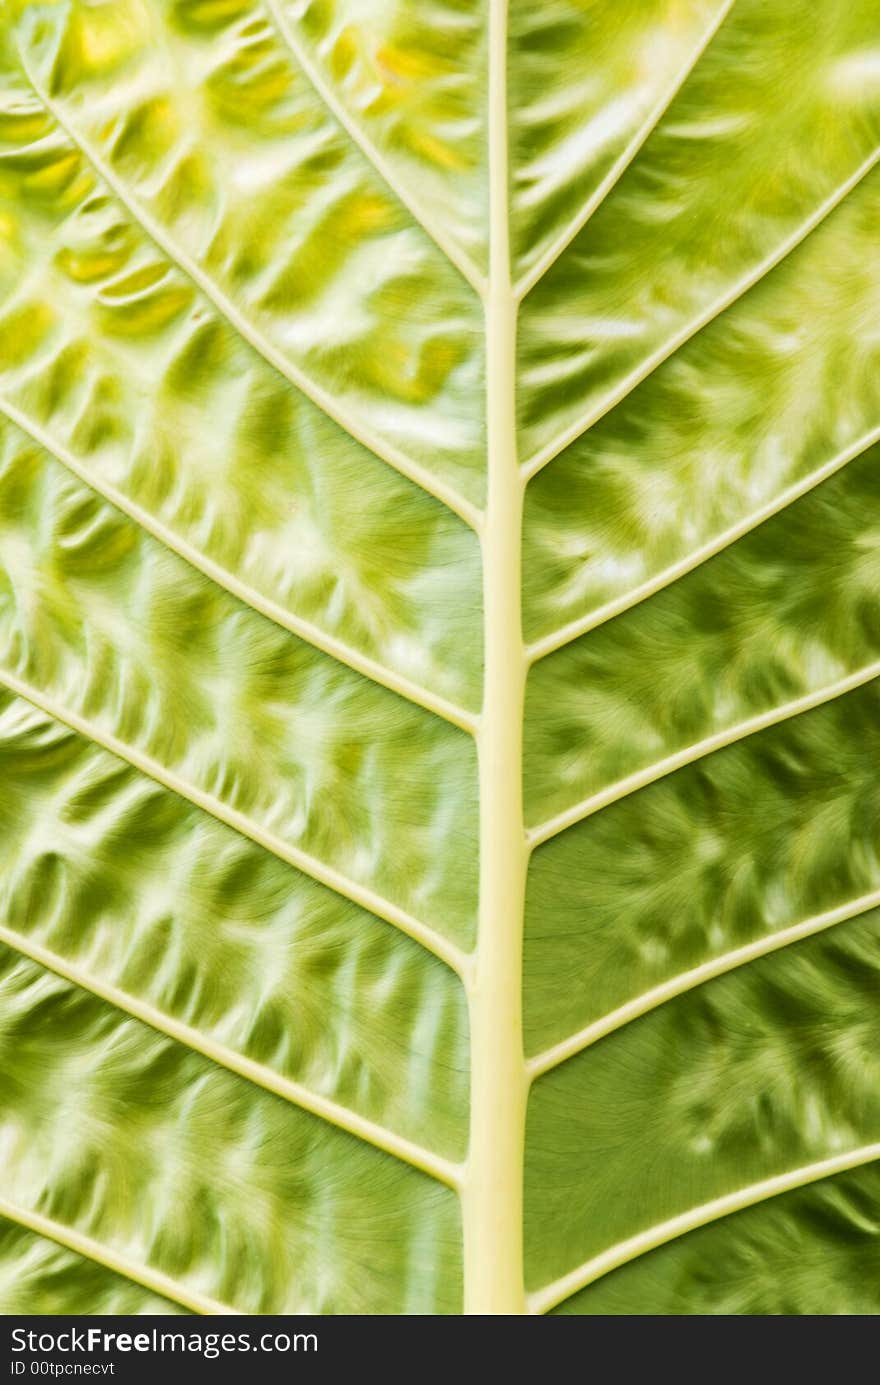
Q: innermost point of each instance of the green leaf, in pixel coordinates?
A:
(439, 638)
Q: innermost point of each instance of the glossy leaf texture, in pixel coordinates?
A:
(246, 461)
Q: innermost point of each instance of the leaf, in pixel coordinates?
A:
(439, 639)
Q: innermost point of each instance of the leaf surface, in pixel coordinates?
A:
(439, 632)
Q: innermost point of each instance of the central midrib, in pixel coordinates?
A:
(493, 1188)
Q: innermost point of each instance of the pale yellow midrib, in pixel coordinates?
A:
(590, 1034)
(380, 447)
(332, 1112)
(546, 454)
(542, 1300)
(527, 281)
(587, 807)
(492, 1195)
(574, 629)
(360, 895)
(372, 153)
(303, 629)
(113, 1260)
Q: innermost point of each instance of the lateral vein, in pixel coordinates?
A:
(374, 156)
(425, 1160)
(552, 1294)
(113, 1260)
(686, 981)
(582, 425)
(380, 447)
(527, 281)
(573, 629)
(613, 793)
(305, 630)
(360, 895)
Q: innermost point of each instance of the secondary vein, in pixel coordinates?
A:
(686, 981)
(577, 223)
(546, 454)
(572, 630)
(326, 875)
(380, 447)
(113, 1260)
(463, 263)
(613, 793)
(635, 1246)
(332, 1112)
(305, 630)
